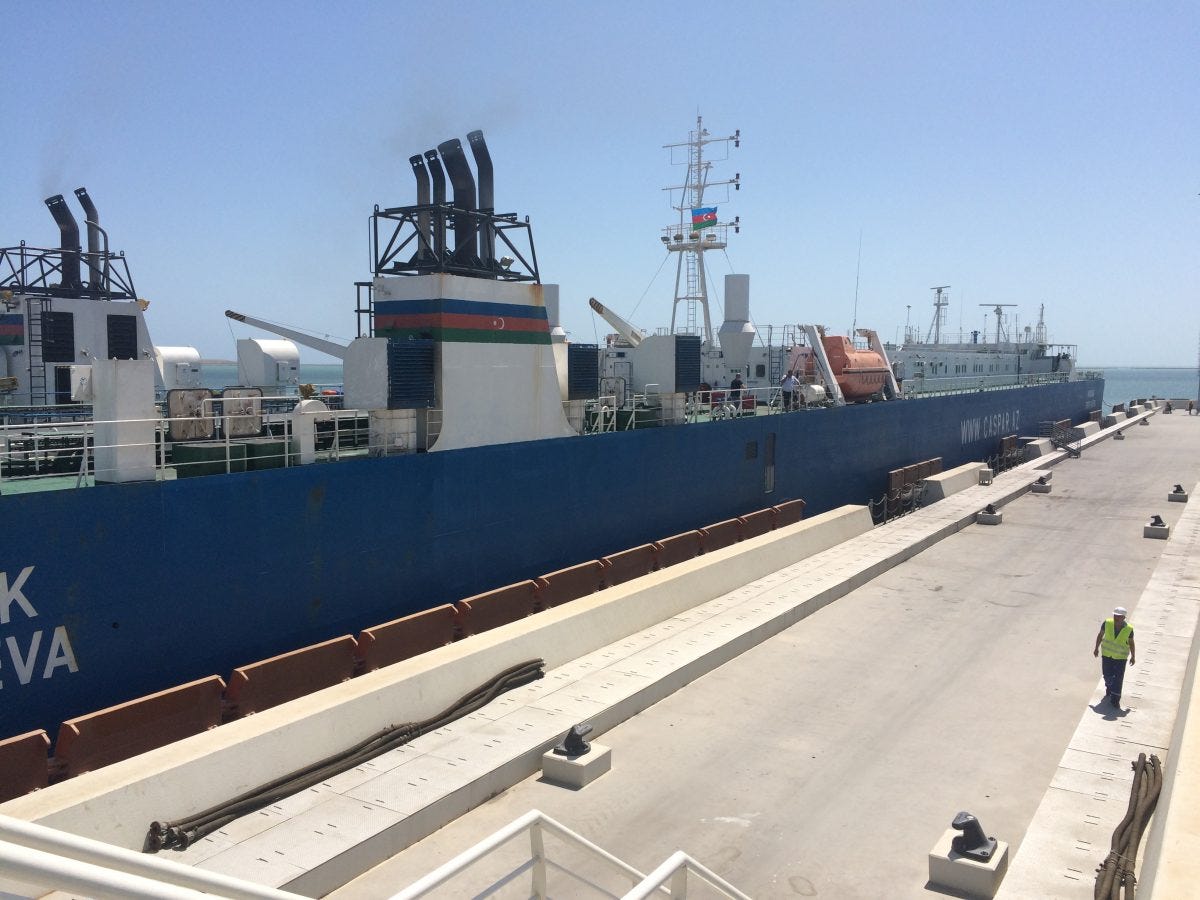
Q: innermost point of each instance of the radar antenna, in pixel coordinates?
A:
(699, 228)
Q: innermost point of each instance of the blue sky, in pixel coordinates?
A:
(1020, 152)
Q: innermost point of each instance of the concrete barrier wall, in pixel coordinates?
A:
(1087, 429)
(940, 486)
(116, 804)
(1038, 447)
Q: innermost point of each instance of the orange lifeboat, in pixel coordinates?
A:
(860, 374)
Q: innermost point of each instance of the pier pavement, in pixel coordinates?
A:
(828, 760)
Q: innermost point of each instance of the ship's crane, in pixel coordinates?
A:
(631, 335)
(335, 350)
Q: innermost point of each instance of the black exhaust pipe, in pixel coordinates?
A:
(94, 258)
(68, 241)
(487, 200)
(439, 197)
(425, 237)
(466, 250)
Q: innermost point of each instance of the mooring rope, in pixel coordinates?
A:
(1116, 872)
(182, 833)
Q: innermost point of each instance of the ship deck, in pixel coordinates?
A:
(948, 668)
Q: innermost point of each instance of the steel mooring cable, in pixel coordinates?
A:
(1116, 872)
(182, 833)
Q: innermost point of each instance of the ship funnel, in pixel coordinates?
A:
(68, 241)
(439, 197)
(94, 258)
(465, 249)
(425, 235)
(487, 200)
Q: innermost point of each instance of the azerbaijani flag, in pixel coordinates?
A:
(705, 217)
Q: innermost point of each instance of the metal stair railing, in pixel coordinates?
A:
(1063, 439)
(672, 875)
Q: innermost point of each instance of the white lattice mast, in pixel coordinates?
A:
(941, 299)
(698, 229)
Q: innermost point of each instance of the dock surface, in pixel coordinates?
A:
(828, 760)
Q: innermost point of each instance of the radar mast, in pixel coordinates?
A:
(698, 229)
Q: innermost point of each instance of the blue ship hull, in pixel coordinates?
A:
(113, 592)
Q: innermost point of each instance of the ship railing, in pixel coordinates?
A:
(723, 403)
(967, 384)
(539, 866)
(53, 444)
(598, 416)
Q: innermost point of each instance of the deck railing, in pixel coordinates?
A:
(55, 442)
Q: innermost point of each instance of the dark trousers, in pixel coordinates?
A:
(1114, 675)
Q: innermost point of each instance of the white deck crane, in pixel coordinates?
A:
(333, 349)
(633, 336)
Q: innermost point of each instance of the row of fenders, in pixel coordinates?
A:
(138, 726)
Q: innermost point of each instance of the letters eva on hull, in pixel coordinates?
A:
(27, 655)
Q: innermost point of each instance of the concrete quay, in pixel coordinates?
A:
(809, 729)
(829, 758)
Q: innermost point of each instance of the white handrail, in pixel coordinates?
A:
(55, 859)
(675, 868)
(533, 821)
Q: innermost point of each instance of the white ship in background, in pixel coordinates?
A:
(936, 363)
(637, 368)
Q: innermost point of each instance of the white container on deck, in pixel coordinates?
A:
(123, 405)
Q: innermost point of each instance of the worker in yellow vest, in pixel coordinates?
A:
(1115, 647)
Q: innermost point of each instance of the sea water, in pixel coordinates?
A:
(320, 376)
(1122, 384)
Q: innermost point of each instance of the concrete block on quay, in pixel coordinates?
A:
(940, 486)
(1111, 419)
(968, 877)
(987, 518)
(1040, 488)
(1177, 497)
(1161, 532)
(1038, 447)
(576, 771)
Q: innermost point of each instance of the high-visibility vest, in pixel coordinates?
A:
(1116, 646)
